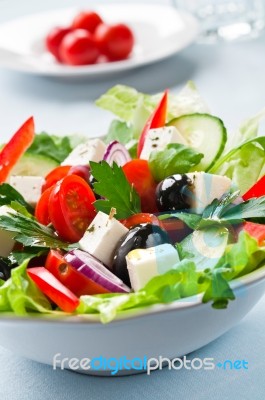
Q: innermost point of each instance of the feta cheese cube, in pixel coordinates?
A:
(205, 188)
(6, 238)
(28, 186)
(92, 150)
(158, 139)
(144, 264)
(102, 237)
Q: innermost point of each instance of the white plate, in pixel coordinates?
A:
(169, 331)
(160, 32)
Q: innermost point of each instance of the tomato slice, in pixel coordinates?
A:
(54, 289)
(71, 207)
(15, 148)
(140, 218)
(55, 175)
(42, 208)
(138, 174)
(74, 280)
(255, 230)
(256, 190)
(156, 120)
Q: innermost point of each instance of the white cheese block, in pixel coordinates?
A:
(92, 150)
(158, 139)
(6, 241)
(144, 264)
(28, 186)
(205, 188)
(102, 237)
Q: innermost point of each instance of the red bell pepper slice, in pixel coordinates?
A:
(257, 231)
(257, 190)
(156, 120)
(54, 289)
(15, 148)
(74, 280)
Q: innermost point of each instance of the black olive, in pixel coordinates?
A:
(174, 193)
(91, 182)
(5, 270)
(141, 236)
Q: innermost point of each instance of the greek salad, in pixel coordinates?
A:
(164, 207)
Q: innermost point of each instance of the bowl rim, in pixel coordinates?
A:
(237, 284)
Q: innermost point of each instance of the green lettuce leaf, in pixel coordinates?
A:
(135, 107)
(175, 159)
(20, 295)
(243, 164)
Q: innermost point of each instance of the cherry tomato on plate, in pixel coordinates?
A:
(140, 218)
(54, 39)
(114, 41)
(79, 48)
(42, 208)
(88, 20)
(70, 207)
(138, 174)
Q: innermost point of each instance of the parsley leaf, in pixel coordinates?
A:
(18, 257)
(30, 233)
(253, 208)
(8, 195)
(117, 192)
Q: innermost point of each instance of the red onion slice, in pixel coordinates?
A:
(95, 270)
(116, 152)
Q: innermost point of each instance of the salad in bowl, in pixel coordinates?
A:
(165, 207)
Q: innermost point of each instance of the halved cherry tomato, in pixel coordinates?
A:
(255, 230)
(55, 175)
(42, 208)
(54, 289)
(74, 280)
(88, 20)
(141, 218)
(256, 190)
(71, 207)
(156, 120)
(15, 148)
(138, 174)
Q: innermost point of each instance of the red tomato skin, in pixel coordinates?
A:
(138, 174)
(255, 230)
(74, 280)
(15, 148)
(140, 218)
(115, 41)
(79, 48)
(71, 207)
(55, 175)
(88, 20)
(54, 289)
(42, 208)
(54, 39)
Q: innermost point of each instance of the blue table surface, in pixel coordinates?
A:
(232, 80)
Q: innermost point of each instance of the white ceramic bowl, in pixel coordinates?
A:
(170, 331)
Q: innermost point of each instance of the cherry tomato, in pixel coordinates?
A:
(42, 207)
(114, 41)
(138, 174)
(70, 207)
(54, 39)
(88, 20)
(79, 48)
(55, 175)
(141, 218)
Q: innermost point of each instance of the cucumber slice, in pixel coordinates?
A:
(34, 165)
(205, 134)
